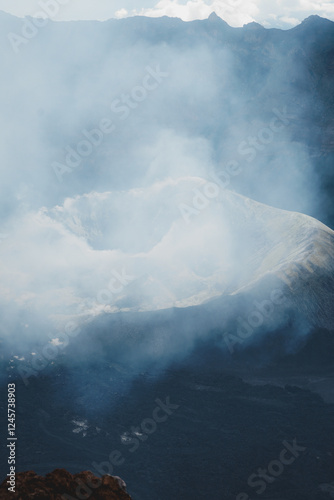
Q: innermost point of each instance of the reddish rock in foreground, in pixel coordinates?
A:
(61, 485)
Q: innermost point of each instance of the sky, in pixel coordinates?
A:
(280, 13)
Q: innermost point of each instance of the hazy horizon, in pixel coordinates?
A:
(236, 13)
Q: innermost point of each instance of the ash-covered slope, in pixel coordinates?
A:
(234, 245)
(272, 271)
(205, 264)
(292, 247)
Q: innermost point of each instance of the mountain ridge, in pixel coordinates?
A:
(310, 21)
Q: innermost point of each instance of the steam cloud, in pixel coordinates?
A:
(108, 137)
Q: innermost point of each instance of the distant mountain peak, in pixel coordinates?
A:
(312, 18)
(315, 19)
(214, 17)
(253, 25)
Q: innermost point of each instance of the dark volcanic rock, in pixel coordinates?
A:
(61, 485)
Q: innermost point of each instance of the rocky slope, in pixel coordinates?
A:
(61, 485)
